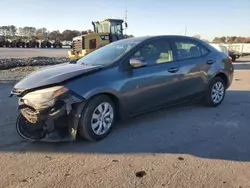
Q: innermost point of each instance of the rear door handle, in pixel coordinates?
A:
(173, 69)
(210, 62)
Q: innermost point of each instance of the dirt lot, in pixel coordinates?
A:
(191, 146)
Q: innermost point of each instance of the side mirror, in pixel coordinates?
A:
(136, 63)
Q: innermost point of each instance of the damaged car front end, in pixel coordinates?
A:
(49, 108)
(48, 114)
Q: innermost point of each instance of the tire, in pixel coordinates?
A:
(21, 123)
(86, 121)
(209, 96)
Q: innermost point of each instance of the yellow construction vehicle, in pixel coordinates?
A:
(105, 32)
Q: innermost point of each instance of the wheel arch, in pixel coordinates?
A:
(113, 95)
(224, 77)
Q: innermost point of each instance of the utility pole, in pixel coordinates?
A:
(126, 15)
(186, 31)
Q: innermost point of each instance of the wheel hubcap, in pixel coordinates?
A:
(102, 118)
(217, 92)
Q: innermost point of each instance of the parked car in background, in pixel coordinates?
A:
(120, 80)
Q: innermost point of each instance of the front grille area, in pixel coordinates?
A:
(78, 45)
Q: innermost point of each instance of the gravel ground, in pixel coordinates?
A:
(16, 63)
(16, 69)
(192, 146)
(17, 73)
(34, 61)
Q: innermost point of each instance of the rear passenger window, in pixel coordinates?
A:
(187, 50)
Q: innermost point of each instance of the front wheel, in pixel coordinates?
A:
(215, 93)
(28, 131)
(97, 118)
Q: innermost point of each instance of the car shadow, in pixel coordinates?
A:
(215, 133)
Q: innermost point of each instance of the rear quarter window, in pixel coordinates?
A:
(204, 51)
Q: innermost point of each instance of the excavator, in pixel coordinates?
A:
(105, 32)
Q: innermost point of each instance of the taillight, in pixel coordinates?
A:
(230, 59)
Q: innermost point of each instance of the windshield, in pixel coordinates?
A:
(116, 29)
(107, 54)
(102, 28)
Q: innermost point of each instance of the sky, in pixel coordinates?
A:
(208, 18)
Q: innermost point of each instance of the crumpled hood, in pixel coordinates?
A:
(53, 75)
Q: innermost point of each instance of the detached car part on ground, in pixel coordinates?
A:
(120, 80)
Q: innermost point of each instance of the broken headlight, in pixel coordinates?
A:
(43, 98)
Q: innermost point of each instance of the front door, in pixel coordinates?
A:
(156, 83)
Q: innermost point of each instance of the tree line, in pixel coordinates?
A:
(228, 39)
(31, 33)
(231, 39)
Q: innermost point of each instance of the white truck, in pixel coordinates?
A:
(235, 50)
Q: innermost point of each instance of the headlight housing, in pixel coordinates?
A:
(43, 98)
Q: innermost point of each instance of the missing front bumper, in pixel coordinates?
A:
(60, 122)
(33, 115)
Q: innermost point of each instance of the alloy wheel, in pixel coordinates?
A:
(217, 92)
(102, 118)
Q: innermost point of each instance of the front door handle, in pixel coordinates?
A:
(210, 62)
(173, 69)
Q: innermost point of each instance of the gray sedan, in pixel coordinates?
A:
(120, 80)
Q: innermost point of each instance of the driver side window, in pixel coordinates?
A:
(155, 52)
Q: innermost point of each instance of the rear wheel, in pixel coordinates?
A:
(215, 93)
(97, 118)
(28, 131)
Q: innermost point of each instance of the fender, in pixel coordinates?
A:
(122, 114)
(97, 91)
(220, 72)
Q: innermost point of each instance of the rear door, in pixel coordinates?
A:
(156, 83)
(195, 61)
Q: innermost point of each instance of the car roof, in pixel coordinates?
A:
(144, 38)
